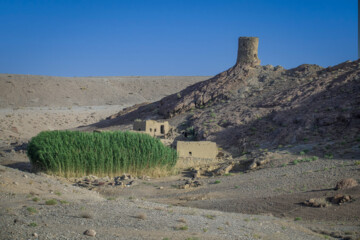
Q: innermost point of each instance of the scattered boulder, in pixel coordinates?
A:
(190, 184)
(253, 165)
(21, 221)
(346, 184)
(90, 182)
(317, 202)
(90, 232)
(341, 198)
(197, 173)
(130, 183)
(118, 181)
(258, 160)
(224, 169)
(204, 171)
(325, 202)
(147, 178)
(126, 177)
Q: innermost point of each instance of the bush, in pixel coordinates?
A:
(31, 210)
(33, 224)
(71, 153)
(51, 202)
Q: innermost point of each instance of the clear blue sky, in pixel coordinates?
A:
(173, 37)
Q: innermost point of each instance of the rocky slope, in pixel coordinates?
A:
(247, 107)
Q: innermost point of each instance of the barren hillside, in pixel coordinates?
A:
(292, 135)
(248, 107)
(38, 91)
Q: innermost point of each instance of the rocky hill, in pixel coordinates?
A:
(250, 106)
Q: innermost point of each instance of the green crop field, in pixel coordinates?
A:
(72, 153)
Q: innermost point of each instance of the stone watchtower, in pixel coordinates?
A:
(248, 51)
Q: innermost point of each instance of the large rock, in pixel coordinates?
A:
(346, 184)
(90, 232)
(317, 202)
(341, 198)
(259, 160)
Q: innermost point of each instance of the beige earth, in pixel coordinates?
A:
(263, 194)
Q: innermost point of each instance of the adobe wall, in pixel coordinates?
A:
(154, 128)
(139, 126)
(192, 154)
(151, 127)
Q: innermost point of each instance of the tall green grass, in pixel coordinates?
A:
(72, 153)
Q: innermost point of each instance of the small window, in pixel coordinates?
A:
(154, 129)
(162, 129)
(190, 153)
(150, 129)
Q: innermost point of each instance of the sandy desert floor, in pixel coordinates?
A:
(263, 204)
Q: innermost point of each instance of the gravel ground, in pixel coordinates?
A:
(79, 209)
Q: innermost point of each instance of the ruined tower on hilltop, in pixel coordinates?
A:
(248, 51)
(221, 86)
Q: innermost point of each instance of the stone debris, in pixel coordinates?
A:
(213, 169)
(118, 181)
(126, 180)
(224, 169)
(346, 184)
(259, 160)
(130, 183)
(317, 202)
(197, 173)
(190, 184)
(147, 178)
(90, 232)
(326, 202)
(126, 177)
(21, 221)
(341, 198)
